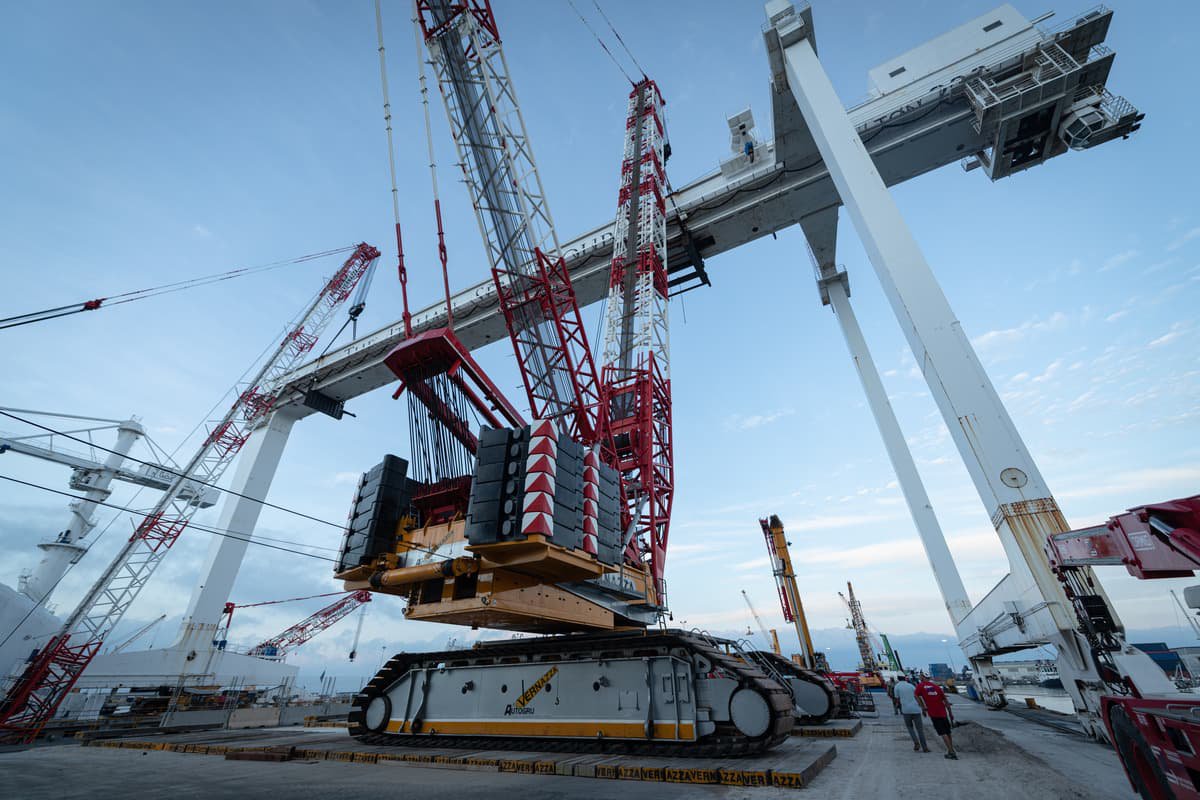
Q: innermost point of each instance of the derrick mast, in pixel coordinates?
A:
(636, 375)
(861, 633)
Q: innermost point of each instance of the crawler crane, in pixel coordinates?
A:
(558, 526)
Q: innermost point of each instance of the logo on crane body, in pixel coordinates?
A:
(521, 706)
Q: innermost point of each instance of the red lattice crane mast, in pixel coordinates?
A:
(278, 645)
(35, 696)
(636, 376)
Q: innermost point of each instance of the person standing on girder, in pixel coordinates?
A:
(937, 707)
(906, 694)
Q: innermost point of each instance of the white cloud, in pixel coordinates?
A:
(1177, 331)
(1114, 261)
(742, 422)
(1184, 239)
(908, 550)
(1116, 315)
(1012, 335)
(1149, 479)
(1050, 371)
(343, 479)
(201, 231)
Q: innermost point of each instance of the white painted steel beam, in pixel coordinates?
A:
(65, 549)
(945, 571)
(1008, 481)
(908, 130)
(256, 465)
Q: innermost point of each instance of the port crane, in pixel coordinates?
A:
(287, 640)
(93, 478)
(789, 591)
(51, 673)
(1034, 93)
(862, 634)
(771, 637)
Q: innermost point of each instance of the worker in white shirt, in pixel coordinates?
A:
(911, 709)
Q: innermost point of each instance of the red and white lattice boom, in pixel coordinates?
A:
(36, 694)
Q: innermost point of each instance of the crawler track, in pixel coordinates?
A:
(791, 668)
(726, 741)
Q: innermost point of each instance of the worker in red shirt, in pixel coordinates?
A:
(937, 708)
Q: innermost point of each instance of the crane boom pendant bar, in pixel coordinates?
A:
(49, 676)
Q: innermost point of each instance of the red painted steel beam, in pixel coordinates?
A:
(1153, 541)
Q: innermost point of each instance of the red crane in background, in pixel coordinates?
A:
(279, 645)
(35, 696)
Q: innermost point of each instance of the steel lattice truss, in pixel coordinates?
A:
(514, 218)
(47, 679)
(636, 374)
(278, 646)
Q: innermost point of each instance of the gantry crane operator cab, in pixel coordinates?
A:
(539, 548)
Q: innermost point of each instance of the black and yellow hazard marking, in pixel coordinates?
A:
(790, 769)
(533, 690)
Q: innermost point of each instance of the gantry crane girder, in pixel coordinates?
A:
(908, 132)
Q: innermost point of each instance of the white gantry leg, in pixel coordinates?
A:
(1029, 606)
(945, 571)
(256, 467)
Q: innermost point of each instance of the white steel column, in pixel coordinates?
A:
(257, 462)
(945, 571)
(1020, 505)
(65, 549)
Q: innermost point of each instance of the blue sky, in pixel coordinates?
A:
(148, 142)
